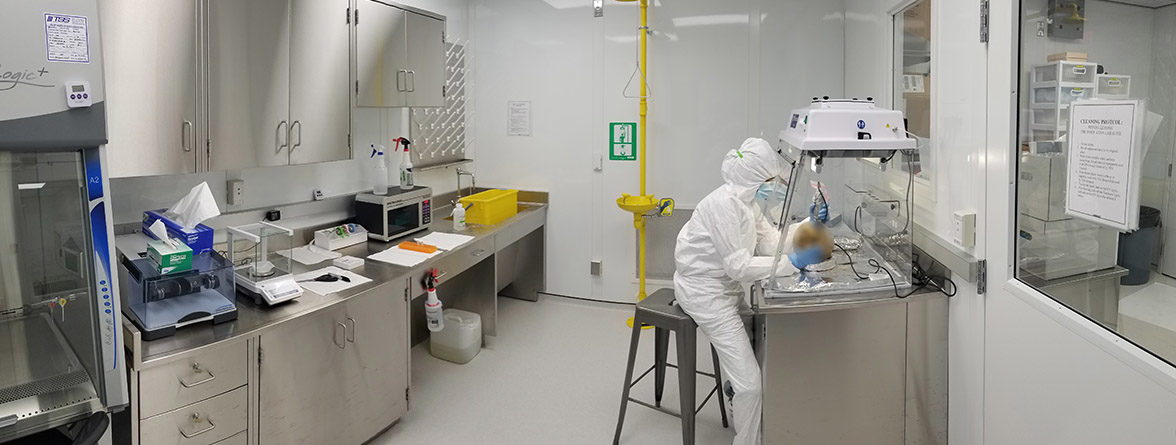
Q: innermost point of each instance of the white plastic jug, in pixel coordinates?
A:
(460, 340)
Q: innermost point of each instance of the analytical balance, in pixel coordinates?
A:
(263, 275)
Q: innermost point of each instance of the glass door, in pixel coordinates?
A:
(49, 349)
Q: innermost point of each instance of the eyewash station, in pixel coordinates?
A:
(852, 349)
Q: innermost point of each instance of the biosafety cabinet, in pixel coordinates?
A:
(60, 354)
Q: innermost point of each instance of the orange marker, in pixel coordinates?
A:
(418, 247)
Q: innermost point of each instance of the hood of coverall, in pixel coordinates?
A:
(746, 168)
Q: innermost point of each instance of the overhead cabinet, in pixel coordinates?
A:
(399, 56)
(278, 76)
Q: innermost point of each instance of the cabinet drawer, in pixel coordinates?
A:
(202, 423)
(193, 379)
(241, 438)
(465, 257)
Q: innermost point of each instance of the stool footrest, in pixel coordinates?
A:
(674, 413)
(668, 365)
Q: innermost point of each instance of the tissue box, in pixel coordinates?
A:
(169, 259)
(198, 238)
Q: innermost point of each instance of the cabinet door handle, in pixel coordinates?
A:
(190, 381)
(341, 344)
(411, 80)
(185, 131)
(401, 80)
(278, 132)
(351, 338)
(298, 133)
(189, 432)
(478, 253)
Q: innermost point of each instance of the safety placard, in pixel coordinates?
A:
(1103, 162)
(67, 38)
(622, 137)
(518, 118)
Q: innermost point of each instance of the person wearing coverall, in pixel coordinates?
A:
(727, 244)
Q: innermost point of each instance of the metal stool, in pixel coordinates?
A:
(656, 310)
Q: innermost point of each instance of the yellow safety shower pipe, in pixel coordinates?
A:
(643, 203)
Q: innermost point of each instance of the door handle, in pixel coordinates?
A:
(188, 381)
(189, 432)
(278, 136)
(299, 133)
(478, 253)
(341, 344)
(185, 131)
(401, 80)
(351, 338)
(411, 80)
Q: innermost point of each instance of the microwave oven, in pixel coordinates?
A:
(399, 213)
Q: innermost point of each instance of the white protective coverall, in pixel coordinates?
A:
(727, 243)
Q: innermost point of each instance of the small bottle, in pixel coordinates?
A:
(380, 175)
(406, 179)
(459, 223)
(433, 312)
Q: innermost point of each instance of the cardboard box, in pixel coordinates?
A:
(1068, 55)
(918, 107)
(168, 258)
(917, 20)
(199, 238)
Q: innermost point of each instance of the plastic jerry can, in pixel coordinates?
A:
(460, 340)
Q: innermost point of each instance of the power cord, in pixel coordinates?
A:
(919, 277)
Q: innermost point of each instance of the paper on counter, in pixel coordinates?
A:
(445, 241)
(309, 254)
(323, 288)
(402, 257)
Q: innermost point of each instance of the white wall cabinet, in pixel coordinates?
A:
(399, 56)
(278, 76)
(153, 111)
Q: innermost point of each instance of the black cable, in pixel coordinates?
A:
(850, 258)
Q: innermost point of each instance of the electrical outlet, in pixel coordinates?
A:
(596, 266)
(236, 192)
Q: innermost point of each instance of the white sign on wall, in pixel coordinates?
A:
(1104, 159)
(518, 118)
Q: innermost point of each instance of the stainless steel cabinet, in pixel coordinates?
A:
(340, 376)
(399, 56)
(278, 82)
(153, 114)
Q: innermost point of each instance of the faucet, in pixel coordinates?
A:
(473, 182)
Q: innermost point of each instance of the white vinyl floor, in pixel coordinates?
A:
(553, 375)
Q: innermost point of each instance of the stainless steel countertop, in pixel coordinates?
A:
(764, 306)
(253, 319)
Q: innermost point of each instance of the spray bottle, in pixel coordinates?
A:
(380, 176)
(406, 179)
(433, 312)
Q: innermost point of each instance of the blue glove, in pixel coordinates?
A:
(822, 215)
(807, 257)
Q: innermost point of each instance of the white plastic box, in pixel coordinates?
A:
(1113, 86)
(1058, 96)
(1065, 72)
(461, 338)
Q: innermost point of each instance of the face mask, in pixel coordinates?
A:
(771, 191)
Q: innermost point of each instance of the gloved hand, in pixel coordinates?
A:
(807, 257)
(820, 215)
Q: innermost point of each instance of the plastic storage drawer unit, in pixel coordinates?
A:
(1065, 72)
(1055, 96)
(491, 207)
(1113, 86)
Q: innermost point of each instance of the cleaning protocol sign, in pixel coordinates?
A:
(622, 137)
(1104, 161)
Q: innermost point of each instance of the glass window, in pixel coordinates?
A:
(912, 79)
(1092, 191)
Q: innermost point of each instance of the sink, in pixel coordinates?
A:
(522, 207)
